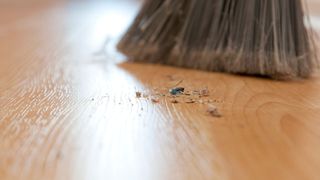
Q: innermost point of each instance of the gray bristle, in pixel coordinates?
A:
(256, 37)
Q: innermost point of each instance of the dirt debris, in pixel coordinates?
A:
(155, 100)
(204, 92)
(138, 94)
(190, 101)
(174, 101)
(180, 94)
(176, 90)
(213, 111)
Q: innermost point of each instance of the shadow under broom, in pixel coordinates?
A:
(255, 37)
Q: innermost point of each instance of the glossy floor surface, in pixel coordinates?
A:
(69, 109)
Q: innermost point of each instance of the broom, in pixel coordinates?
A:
(254, 37)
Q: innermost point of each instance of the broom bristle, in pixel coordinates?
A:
(256, 37)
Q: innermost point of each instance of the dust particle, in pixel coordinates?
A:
(176, 90)
(190, 101)
(204, 92)
(174, 101)
(154, 100)
(213, 111)
(138, 94)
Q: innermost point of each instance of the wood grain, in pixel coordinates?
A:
(69, 111)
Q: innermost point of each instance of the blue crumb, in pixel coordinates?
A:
(176, 91)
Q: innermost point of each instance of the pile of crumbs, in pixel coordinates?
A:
(178, 95)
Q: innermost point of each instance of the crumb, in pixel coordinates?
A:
(154, 100)
(204, 92)
(92, 99)
(174, 101)
(145, 96)
(213, 111)
(187, 93)
(195, 92)
(176, 91)
(160, 94)
(190, 101)
(142, 109)
(138, 94)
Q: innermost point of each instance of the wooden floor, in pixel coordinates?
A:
(69, 109)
